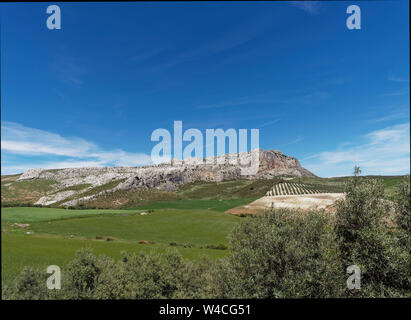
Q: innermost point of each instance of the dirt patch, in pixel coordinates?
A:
(21, 225)
(303, 202)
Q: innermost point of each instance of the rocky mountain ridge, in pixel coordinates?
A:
(168, 177)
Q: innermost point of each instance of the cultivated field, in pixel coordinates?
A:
(283, 189)
(45, 236)
(291, 196)
(303, 202)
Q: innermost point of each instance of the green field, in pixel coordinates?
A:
(20, 250)
(32, 214)
(56, 234)
(220, 205)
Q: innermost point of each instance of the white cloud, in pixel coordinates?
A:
(385, 151)
(400, 92)
(284, 97)
(311, 7)
(41, 145)
(393, 116)
(10, 169)
(398, 79)
(67, 70)
(268, 123)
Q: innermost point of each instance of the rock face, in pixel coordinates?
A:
(168, 177)
(276, 163)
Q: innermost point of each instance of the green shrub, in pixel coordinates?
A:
(82, 274)
(402, 199)
(367, 241)
(150, 276)
(219, 246)
(29, 285)
(143, 276)
(282, 254)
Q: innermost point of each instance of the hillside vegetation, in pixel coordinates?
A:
(26, 193)
(17, 193)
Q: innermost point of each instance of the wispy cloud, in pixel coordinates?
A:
(399, 92)
(147, 54)
(311, 7)
(226, 41)
(287, 97)
(254, 99)
(398, 79)
(40, 145)
(296, 140)
(268, 123)
(390, 117)
(385, 151)
(67, 70)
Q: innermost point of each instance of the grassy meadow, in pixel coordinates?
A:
(54, 235)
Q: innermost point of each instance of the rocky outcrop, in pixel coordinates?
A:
(55, 197)
(276, 163)
(168, 177)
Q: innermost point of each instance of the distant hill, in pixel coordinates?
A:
(127, 187)
(68, 187)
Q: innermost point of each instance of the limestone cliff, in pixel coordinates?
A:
(168, 177)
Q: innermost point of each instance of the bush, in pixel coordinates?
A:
(151, 276)
(29, 285)
(402, 200)
(82, 274)
(219, 246)
(282, 254)
(19, 204)
(366, 240)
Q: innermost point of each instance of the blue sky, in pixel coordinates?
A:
(92, 93)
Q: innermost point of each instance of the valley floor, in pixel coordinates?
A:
(40, 237)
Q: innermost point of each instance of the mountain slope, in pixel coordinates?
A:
(74, 185)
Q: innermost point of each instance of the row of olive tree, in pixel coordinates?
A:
(279, 254)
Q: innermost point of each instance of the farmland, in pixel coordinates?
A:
(54, 235)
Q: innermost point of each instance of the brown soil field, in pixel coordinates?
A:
(303, 202)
